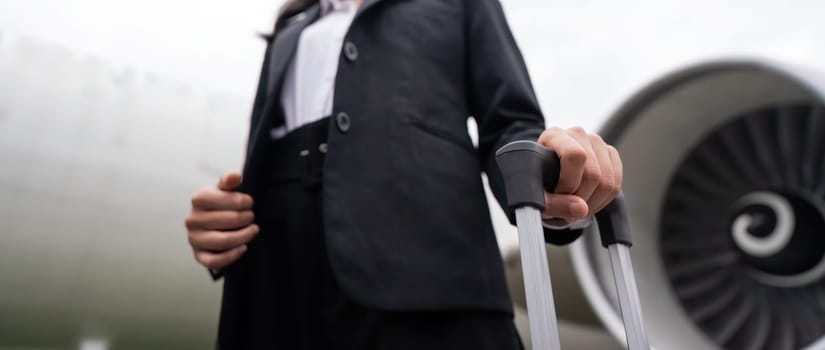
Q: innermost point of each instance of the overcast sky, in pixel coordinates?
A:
(585, 56)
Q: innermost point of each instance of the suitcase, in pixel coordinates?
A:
(527, 169)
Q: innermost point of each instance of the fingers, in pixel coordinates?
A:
(211, 198)
(215, 210)
(616, 161)
(219, 220)
(607, 188)
(564, 206)
(230, 181)
(572, 155)
(221, 241)
(220, 260)
(591, 171)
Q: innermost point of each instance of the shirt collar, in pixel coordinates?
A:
(328, 6)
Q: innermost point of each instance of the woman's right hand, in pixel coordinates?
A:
(220, 223)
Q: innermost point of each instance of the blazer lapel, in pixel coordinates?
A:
(284, 46)
(365, 6)
(281, 52)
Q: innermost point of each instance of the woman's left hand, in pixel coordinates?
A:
(591, 173)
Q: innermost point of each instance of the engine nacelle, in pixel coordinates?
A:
(725, 185)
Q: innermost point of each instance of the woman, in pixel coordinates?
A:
(370, 228)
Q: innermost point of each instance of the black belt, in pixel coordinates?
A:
(299, 155)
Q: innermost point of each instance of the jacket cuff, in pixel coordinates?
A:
(559, 232)
(561, 237)
(559, 224)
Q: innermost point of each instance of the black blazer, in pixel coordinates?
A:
(406, 218)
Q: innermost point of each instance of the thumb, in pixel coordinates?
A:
(565, 206)
(229, 181)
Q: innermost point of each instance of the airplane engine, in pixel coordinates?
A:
(725, 186)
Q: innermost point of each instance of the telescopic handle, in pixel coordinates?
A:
(528, 169)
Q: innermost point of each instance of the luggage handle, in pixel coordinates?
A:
(528, 169)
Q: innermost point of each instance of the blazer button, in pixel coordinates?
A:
(342, 122)
(350, 51)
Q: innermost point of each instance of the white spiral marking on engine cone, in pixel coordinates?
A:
(778, 238)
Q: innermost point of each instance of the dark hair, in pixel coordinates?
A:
(289, 9)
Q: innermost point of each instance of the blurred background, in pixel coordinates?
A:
(112, 113)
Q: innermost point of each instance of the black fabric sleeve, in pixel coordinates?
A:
(501, 96)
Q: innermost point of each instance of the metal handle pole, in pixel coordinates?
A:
(526, 168)
(615, 235)
(628, 293)
(541, 311)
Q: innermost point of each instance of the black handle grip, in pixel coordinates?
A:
(613, 226)
(519, 163)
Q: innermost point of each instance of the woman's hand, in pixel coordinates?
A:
(220, 223)
(591, 173)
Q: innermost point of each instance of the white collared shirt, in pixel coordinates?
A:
(309, 85)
